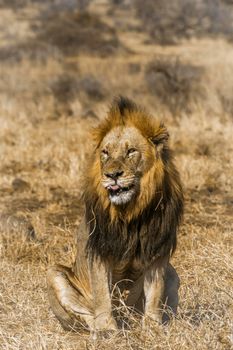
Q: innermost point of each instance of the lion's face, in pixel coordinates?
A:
(125, 155)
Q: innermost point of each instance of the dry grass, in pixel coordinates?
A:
(46, 109)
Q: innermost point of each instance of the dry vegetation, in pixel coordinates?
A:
(59, 69)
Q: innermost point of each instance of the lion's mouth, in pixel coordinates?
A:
(116, 190)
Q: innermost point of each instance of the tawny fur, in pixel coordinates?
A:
(129, 244)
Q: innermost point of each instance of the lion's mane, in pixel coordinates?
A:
(147, 228)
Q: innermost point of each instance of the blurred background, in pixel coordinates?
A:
(61, 64)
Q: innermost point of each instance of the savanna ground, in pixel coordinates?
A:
(60, 66)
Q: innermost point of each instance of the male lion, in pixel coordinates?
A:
(133, 206)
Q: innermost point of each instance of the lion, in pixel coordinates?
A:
(133, 206)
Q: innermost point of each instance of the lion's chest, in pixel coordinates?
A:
(127, 272)
(127, 281)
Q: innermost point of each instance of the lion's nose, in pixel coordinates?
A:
(114, 175)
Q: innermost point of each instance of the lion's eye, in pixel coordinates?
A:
(104, 154)
(131, 151)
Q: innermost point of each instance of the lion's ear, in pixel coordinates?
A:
(160, 137)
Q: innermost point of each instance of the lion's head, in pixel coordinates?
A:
(130, 155)
(125, 155)
(131, 175)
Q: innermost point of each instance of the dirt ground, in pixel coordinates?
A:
(59, 70)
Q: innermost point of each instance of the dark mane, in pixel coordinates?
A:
(151, 235)
(124, 104)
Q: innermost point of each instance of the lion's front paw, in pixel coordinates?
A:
(105, 325)
(105, 321)
(156, 317)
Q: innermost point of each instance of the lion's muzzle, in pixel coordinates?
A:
(120, 191)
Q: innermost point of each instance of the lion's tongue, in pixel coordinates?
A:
(114, 187)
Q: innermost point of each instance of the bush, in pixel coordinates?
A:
(169, 21)
(177, 85)
(66, 88)
(32, 50)
(57, 5)
(74, 33)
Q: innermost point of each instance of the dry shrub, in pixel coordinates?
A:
(93, 88)
(53, 5)
(134, 68)
(66, 89)
(226, 99)
(13, 3)
(63, 33)
(75, 33)
(169, 21)
(32, 50)
(177, 85)
(67, 5)
(81, 4)
(20, 185)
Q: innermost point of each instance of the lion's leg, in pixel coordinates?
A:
(161, 288)
(102, 298)
(172, 283)
(69, 301)
(154, 291)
